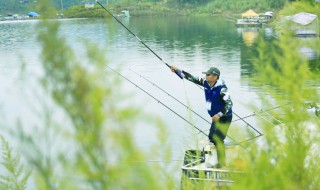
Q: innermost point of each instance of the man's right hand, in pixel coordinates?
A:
(177, 71)
(173, 68)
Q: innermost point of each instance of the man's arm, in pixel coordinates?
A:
(196, 80)
(188, 76)
(227, 100)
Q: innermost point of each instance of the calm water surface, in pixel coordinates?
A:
(193, 44)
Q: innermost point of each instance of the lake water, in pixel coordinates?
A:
(190, 43)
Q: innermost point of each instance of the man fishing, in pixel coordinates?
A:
(219, 106)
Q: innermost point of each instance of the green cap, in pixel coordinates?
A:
(212, 71)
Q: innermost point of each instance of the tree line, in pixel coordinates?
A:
(23, 6)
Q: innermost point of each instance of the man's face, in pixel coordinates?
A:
(211, 78)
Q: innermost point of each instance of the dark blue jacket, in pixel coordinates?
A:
(215, 98)
(218, 100)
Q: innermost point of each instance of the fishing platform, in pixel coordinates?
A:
(198, 167)
(248, 23)
(252, 19)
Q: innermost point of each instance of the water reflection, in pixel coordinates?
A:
(13, 34)
(249, 35)
(308, 47)
(188, 33)
(268, 32)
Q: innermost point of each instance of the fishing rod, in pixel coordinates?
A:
(248, 124)
(158, 100)
(238, 143)
(137, 38)
(250, 139)
(257, 113)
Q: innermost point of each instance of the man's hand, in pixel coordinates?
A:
(215, 118)
(173, 68)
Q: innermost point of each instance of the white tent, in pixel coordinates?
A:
(269, 13)
(302, 18)
(304, 24)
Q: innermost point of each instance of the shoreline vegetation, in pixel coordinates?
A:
(226, 8)
(154, 9)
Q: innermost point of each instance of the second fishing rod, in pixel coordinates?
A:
(137, 37)
(259, 133)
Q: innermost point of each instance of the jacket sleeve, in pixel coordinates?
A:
(224, 94)
(189, 77)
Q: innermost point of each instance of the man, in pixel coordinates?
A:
(219, 106)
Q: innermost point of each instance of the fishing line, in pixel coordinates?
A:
(170, 96)
(137, 38)
(158, 100)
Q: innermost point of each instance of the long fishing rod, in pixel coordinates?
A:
(238, 143)
(158, 101)
(137, 38)
(158, 58)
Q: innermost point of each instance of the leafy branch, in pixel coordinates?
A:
(14, 175)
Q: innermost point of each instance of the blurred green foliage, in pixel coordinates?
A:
(93, 146)
(288, 155)
(105, 151)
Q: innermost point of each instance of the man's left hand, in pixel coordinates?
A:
(215, 118)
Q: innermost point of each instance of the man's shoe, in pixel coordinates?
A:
(218, 166)
(209, 165)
